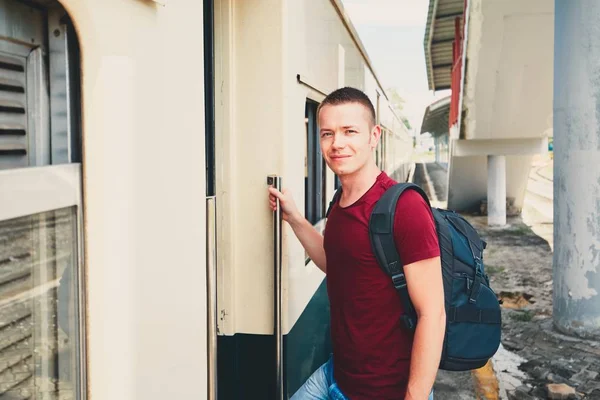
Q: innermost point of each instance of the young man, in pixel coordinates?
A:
(374, 356)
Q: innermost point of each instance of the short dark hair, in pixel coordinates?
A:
(349, 95)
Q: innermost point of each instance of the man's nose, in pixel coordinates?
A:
(338, 141)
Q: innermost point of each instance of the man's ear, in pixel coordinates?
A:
(375, 136)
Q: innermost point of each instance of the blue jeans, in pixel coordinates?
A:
(322, 386)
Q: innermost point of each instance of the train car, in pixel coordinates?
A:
(283, 58)
(138, 256)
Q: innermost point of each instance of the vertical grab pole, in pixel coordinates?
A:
(275, 181)
(211, 295)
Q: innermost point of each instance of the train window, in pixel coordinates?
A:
(383, 149)
(380, 150)
(38, 332)
(41, 315)
(315, 169)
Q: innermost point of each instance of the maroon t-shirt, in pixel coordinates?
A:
(371, 349)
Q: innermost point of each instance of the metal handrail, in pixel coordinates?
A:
(275, 181)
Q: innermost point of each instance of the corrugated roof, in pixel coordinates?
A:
(435, 119)
(439, 35)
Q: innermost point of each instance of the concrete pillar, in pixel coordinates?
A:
(577, 167)
(436, 141)
(444, 156)
(496, 191)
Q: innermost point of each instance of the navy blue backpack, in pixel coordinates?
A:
(473, 316)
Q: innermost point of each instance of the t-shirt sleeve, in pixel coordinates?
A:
(414, 229)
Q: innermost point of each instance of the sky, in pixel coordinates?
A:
(392, 32)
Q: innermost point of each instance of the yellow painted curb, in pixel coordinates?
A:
(486, 383)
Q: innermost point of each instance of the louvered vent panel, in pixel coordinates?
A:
(13, 112)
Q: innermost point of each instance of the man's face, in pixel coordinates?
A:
(347, 137)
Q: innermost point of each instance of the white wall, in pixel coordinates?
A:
(508, 84)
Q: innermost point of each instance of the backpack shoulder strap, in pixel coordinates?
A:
(336, 197)
(381, 232)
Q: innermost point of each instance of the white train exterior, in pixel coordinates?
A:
(118, 120)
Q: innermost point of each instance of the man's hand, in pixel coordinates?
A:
(289, 210)
(311, 240)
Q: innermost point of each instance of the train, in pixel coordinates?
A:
(138, 256)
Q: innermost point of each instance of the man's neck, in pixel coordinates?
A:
(356, 185)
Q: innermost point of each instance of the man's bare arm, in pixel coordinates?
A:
(426, 290)
(311, 239)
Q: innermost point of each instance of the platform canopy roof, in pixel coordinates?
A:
(439, 36)
(435, 119)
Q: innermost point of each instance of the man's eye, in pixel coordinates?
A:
(325, 134)
(352, 131)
